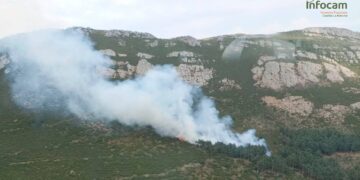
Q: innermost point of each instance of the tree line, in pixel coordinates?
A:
(300, 150)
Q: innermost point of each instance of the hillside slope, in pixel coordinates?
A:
(299, 89)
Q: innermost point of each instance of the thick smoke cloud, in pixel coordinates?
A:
(59, 70)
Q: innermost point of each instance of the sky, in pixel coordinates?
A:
(171, 18)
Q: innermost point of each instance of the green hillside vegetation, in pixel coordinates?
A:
(57, 146)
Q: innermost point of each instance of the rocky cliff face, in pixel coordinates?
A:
(277, 75)
(195, 74)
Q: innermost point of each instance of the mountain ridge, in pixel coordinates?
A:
(311, 29)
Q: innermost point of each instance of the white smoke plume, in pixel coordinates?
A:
(59, 70)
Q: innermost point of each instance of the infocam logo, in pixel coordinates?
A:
(326, 5)
(328, 9)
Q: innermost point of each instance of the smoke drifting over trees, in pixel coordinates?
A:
(59, 71)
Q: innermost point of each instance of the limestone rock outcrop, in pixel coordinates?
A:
(334, 114)
(191, 41)
(108, 52)
(292, 104)
(143, 66)
(278, 75)
(144, 55)
(228, 84)
(355, 106)
(195, 74)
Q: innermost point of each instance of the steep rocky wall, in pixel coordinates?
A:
(278, 75)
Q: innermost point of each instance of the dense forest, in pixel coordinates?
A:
(303, 150)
